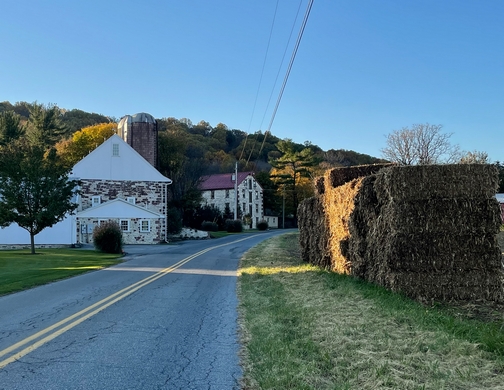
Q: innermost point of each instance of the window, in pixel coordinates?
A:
(212, 194)
(227, 206)
(145, 226)
(257, 194)
(250, 197)
(101, 221)
(244, 207)
(95, 200)
(227, 193)
(250, 184)
(115, 150)
(131, 199)
(125, 225)
(257, 208)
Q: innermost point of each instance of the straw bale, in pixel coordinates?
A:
(319, 185)
(457, 253)
(469, 286)
(361, 224)
(463, 215)
(313, 232)
(339, 176)
(408, 183)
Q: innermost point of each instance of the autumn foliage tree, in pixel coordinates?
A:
(82, 142)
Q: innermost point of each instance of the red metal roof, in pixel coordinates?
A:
(222, 181)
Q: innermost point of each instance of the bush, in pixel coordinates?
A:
(262, 225)
(234, 226)
(173, 221)
(108, 237)
(208, 226)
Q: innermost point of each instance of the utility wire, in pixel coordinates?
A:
(260, 79)
(300, 35)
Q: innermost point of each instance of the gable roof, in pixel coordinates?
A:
(128, 165)
(118, 208)
(222, 181)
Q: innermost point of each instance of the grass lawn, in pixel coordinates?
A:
(305, 328)
(20, 270)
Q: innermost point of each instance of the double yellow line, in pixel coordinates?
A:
(90, 311)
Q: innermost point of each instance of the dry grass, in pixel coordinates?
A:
(305, 328)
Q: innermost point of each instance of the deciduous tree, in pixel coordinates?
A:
(421, 144)
(35, 191)
(83, 142)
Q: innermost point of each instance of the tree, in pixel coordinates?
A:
(35, 191)
(83, 142)
(422, 144)
(44, 125)
(293, 171)
(474, 157)
(10, 127)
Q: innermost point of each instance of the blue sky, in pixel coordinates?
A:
(364, 67)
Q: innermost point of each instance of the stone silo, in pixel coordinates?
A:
(140, 132)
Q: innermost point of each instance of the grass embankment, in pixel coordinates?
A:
(305, 328)
(20, 270)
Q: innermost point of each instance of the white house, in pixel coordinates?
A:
(118, 184)
(219, 191)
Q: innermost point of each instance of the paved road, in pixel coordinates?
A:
(163, 319)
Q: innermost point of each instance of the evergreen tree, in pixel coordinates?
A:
(44, 125)
(10, 127)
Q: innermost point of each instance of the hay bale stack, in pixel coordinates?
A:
(313, 232)
(341, 189)
(430, 232)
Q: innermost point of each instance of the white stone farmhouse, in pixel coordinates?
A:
(219, 191)
(118, 184)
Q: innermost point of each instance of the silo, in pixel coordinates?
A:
(140, 132)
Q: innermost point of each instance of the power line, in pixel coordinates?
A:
(298, 41)
(260, 79)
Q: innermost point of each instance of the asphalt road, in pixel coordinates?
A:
(166, 318)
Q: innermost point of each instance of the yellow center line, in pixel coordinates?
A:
(98, 307)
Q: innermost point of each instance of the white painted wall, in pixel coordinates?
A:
(63, 233)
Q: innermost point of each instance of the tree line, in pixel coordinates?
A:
(188, 151)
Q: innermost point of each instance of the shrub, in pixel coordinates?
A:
(108, 237)
(262, 225)
(173, 221)
(234, 226)
(208, 226)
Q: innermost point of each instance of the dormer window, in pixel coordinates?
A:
(115, 150)
(131, 199)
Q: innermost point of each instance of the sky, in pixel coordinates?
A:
(363, 69)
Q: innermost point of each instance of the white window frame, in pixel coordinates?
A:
(142, 230)
(127, 223)
(102, 221)
(131, 199)
(115, 150)
(95, 200)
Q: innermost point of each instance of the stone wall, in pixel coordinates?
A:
(133, 236)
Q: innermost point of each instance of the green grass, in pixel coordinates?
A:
(305, 328)
(19, 270)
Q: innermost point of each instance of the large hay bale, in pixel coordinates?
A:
(313, 232)
(339, 176)
(338, 206)
(407, 183)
